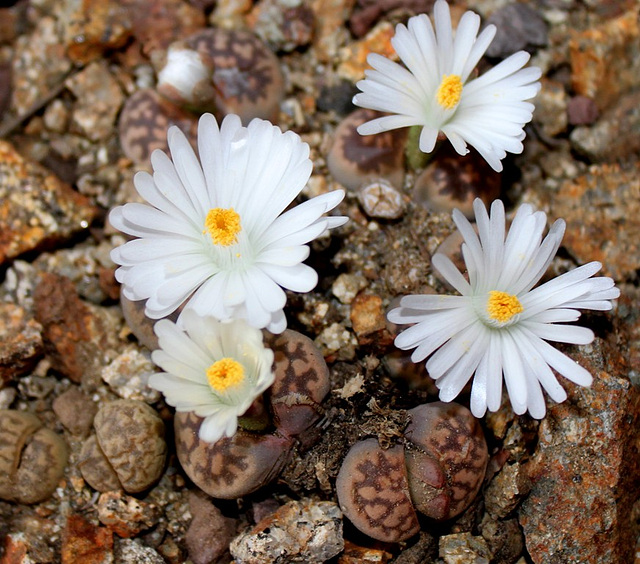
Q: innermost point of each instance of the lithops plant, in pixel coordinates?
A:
(223, 71)
(236, 466)
(143, 124)
(446, 456)
(373, 491)
(438, 472)
(301, 382)
(453, 181)
(231, 467)
(128, 450)
(354, 159)
(32, 458)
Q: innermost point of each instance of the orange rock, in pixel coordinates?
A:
(85, 543)
(604, 61)
(354, 57)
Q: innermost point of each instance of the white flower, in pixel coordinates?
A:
(214, 369)
(214, 235)
(499, 324)
(488, 112)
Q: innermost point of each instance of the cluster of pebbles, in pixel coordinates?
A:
(359, 462)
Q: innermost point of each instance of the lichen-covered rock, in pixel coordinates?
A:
(299, 531)
(602, 211)
(585, 467)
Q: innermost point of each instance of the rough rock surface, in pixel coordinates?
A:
(584, 471)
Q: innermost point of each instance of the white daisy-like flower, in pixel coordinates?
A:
(434, 90)
(500, 324)
(212, 368)
(214, 234)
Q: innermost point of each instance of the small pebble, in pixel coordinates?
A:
(128, 375)
(75, 411)
(347, 286)
(380, 199)
(582, 110)
(125, 515)
(464, 548)
(209, 533)
(518, 26)
(131, 551)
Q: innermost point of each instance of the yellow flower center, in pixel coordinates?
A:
(223, 225)
(502, 306)
(449, 91)
(225, 373)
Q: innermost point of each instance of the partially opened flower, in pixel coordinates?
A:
(435, 90)
(214, 369)
(500, 324)
(214, 234)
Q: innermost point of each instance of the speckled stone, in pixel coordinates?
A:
(464, 548)
(284, 24)
(584, 469)
(506, 490)
(91, 27)
(353, 57)
(98, 101)
(330, 33)
(21, 344)
(126, 515)
(39, 64)
(299, 531)
(604, 59)
(551, 107)
(615, 135)
(602, 211)
(36, 208)
(136, 552)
